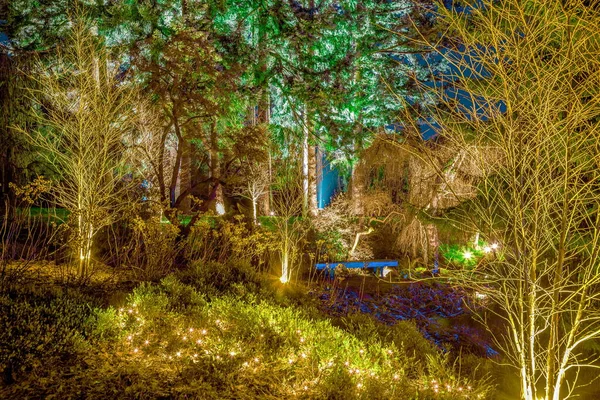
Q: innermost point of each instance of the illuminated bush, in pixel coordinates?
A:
(168, 341)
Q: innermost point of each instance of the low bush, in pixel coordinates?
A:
(37, 328)
(215, 278)
(167, 341)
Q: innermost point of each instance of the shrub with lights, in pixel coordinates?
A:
(167, 340)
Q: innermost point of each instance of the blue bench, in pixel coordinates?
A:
(378, 265)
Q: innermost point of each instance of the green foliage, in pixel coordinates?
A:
(457, 255)
(222, 241)
(153, 249)
(168, 341)
(214, 278)
(36, 328)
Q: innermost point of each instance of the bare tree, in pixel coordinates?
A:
(257, 184)
(82, 112)
(289, 224)
(524, 109)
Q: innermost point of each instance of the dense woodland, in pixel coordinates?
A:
(174, 172)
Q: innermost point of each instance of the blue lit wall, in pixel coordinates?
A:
(328, 183)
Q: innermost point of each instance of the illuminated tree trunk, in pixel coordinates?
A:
(186, 177)
(215, 172)
(266, 198)
(305, 170)
(175, 172)
(358, 187)
(264, 117)
(309, 167)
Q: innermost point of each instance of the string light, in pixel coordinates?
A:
(494, 246)
(467, 255)
(437, 387)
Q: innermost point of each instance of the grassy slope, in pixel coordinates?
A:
(169, 341)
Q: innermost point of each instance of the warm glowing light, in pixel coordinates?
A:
(283, 279)
(467, 255)
(487, 249)
(494, 246)
(220, 208)
(480, 296)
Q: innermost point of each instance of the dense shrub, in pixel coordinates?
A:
(168, 341)
(214, 278)
(37, 328)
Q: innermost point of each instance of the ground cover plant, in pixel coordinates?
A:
(168, 340)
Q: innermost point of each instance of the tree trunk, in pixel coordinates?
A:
(216, 195)
(186, 178)
(358, 187)
(305, 177)
(264, 114)
(309, 167)
(175, 174)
